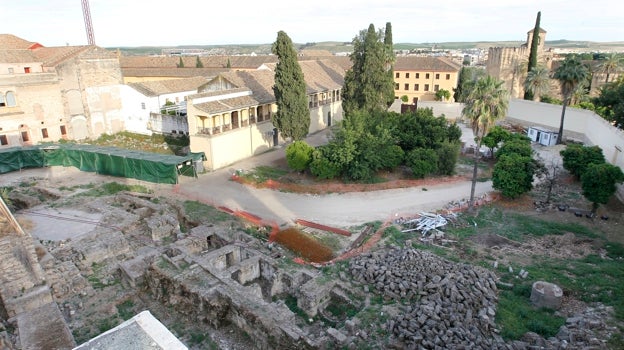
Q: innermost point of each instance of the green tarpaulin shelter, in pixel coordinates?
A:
(113, 161)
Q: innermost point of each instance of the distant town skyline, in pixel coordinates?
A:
(122, 23)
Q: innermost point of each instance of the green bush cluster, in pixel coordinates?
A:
(366, 143)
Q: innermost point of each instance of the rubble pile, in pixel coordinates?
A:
(451, 305)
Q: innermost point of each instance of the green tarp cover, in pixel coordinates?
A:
(113, 161)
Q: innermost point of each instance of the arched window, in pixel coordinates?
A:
(10, 99)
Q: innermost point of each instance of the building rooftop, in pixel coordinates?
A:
(142, 332)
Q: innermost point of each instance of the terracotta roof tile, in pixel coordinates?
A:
(160, 87)
(228, 104)
(433, 64)
(320, 75)
(17, 56)
(172, 72)
(10, 41)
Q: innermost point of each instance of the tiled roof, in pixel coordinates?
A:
(17, 56)
(320, 75)
(10, 41)
(52, 56)
(236, 62)
(260, 82)
(315, 53)
(161, 87)
(228, 104)
(433, 64)
(172, 72)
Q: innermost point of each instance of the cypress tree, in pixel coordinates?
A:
(528, 95)
(390, 59)
(367, 83)
(181, 63)
(198, 63)
(293, 115)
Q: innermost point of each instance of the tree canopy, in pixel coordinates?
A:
(610, 103)
(293, 115)
(571, 73)
(576, 158)
(368, 85)
(537, 82)
(368, 142)
(599, 183)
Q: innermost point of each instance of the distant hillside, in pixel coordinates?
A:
(337, 46)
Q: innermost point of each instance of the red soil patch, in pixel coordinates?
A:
(323, 227)
(337, 186)
(309, 248)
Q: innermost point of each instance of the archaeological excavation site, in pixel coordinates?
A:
(88, 265)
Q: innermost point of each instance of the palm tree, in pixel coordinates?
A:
(518, 69)
(537, 82)
(487, 102)
(570, 74)
(612, 64)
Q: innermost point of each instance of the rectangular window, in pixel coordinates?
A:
(416, 87)
(63, 130)
(426, 87)
(448, 77)
(11, 71)
(406, 87)
(4, 140)
(417, 75)
(436, 87)
(437, 76)
(44, 133)
(142, 105)
(26, 69)
(397, 75)
(427, 76)
(25, 136)
(407, 75)
(396, 86)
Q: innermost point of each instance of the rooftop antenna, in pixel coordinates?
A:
(86, 12)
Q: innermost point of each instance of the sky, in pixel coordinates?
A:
(130, 23)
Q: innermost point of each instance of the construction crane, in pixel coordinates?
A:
(86, 12)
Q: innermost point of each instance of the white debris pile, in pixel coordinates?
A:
(427, 224)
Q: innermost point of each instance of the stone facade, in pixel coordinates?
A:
(509, 64)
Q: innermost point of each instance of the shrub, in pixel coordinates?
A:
(422, 161)
(299, 155)
(447, 157)
(577, 158)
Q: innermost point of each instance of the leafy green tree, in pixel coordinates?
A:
(599, 183)
(610, 103)
(494, 137)
(422, 161)
(293, 115)
(299, 155)
(516, 146)
(513, 174)
(528, 94)
(323, 164)
(570, 74)
(487, 102)
(576, 158)
(537, 82)
(448, 152)
(367, 83)
(390, 59)
(442, 95)
(198, 62)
